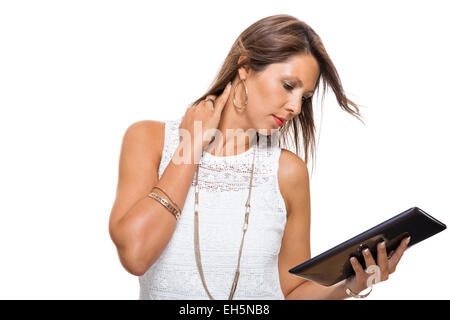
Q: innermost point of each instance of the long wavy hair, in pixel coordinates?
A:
(275, 39)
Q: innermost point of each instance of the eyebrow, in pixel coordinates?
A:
(300, 83)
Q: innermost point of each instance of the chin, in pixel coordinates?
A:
(268, 129)
(267, 132)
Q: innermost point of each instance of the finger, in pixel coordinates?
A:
(382, 261)
(368, 258)
(209, 103)
(394, 260)
(357, 267)
(222, 99)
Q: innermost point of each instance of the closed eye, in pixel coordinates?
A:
(289, 88)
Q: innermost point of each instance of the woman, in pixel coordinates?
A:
(200, 216)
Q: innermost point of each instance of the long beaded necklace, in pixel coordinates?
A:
(244, 229)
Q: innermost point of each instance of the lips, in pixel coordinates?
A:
(278, 121)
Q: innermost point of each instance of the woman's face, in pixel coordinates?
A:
(279, 91)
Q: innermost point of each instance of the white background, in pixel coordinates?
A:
(75, 74)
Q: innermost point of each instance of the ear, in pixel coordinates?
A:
(244, 70)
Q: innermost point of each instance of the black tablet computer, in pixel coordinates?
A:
(334, 265)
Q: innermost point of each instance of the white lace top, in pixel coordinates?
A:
(223, 191)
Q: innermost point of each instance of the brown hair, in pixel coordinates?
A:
(275, 39)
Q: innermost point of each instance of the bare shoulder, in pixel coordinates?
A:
(293, 177)
(146, 129)
(145, 135)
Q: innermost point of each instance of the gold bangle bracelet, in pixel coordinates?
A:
(174, 203)
(354, 295)
(166, 204)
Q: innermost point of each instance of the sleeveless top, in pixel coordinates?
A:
(223, 191)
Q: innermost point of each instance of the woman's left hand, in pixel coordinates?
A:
(359, 281)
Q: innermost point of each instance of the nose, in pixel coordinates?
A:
(294, 108)
(294, 104)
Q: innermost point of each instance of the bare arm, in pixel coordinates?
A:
(309, 290)
(295, 247)
(139, 226)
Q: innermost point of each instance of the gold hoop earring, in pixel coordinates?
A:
(246, 96)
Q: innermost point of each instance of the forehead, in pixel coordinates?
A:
(304, 67)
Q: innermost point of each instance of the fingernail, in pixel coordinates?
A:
(229, 85)
(366, 251)
(407, 240)
(382, 244)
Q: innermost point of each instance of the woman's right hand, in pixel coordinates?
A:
(208, 116)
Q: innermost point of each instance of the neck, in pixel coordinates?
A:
(235, 137)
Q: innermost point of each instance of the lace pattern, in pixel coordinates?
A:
(223, 191)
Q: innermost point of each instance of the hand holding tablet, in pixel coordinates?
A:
(334, 265)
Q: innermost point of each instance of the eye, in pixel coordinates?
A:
(287, 86)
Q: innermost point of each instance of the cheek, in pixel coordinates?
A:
(266, 96)
(269, 90)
